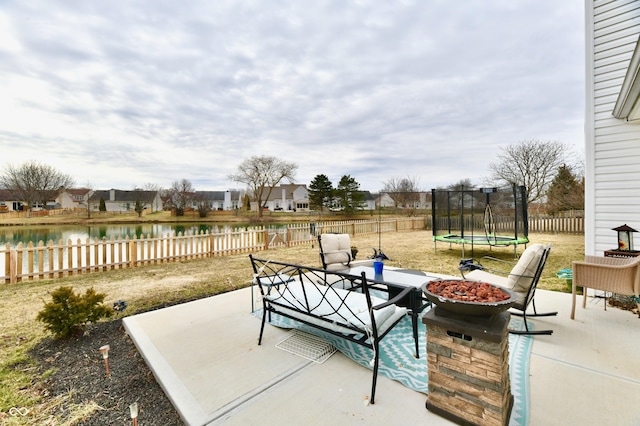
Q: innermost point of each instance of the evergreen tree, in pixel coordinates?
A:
(566, 192)
(103, 205)
(349, 194)
(320, 193)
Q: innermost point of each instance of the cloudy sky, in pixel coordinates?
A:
(119, 94)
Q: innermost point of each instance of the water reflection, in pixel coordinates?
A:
(25, 234)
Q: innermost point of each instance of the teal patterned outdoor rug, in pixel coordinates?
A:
(397, 361)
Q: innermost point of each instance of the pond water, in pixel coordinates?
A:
(23, 234)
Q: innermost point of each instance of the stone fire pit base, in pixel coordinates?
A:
(468, 364)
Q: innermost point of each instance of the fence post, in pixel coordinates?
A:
(30, 260)
(13, 266)
(69, 257)
(133, 252)
(87, 256)
(7, 263)
(40, 252)
(19, 256)
(51, 256)
(79, 254)
(103, 245)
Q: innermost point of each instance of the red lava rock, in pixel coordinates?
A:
(467, 291)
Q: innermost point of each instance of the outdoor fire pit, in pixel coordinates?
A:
(468, 352)
(470, 298)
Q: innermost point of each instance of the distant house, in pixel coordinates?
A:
(124, 201)
(8, 203)
(371, 200)
(73, 198)
(612, 121)
(422, 201)
(288, 197)
(218, 200)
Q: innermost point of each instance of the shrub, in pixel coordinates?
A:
(68, 313)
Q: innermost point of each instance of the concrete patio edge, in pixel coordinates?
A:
(184, 402)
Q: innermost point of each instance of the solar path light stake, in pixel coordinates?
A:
(105, 355)
(133, 409)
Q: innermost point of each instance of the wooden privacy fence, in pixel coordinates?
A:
(61, 259)
(562, 225)
(505, 225)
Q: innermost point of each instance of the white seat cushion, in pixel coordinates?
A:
(521, 275)
(336, 248)
(519, 279)
(336, 305)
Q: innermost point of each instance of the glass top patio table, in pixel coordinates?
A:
(400, 278)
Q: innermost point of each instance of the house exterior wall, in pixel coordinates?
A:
(291, 197)
(301, 198)
(66, 200)
(73, 199)
(612, 145)
(125, 201)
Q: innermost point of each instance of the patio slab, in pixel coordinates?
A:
(205, 356)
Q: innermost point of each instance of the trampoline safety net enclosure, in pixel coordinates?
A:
(484, 216)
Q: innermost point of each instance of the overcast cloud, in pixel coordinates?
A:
(119, 94)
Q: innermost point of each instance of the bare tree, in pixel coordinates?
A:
(33, 183)
(202, 205)
(261, 174)
(181, 195)
(532, 163)
(461, 185)
(404, 192)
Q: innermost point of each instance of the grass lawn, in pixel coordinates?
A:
(155, 286)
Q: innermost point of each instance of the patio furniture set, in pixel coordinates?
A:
(348, 299)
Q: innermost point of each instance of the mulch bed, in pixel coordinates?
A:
(80, 372)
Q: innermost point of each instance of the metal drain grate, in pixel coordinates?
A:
(307, 346)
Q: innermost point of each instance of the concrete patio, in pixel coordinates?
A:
(205, 356)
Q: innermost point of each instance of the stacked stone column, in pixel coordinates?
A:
(468, 364)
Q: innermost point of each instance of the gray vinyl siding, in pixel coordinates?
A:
(612, 145)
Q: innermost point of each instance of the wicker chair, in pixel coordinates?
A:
(617, 275)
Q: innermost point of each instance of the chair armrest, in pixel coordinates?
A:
(395, 300)
(495, 259)
(498, 261)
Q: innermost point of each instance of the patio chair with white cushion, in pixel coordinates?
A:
(522, 280)
(335, 252)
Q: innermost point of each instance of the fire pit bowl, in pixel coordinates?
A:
(472, 298)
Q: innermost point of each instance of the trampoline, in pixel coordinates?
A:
(497, 240)
(495, 217)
